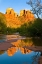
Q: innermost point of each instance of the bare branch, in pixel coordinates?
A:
(36, 6)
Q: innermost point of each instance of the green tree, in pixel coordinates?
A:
(36, 28)
(32, 29)
(23, 29)
(11, 30)
(3, 26)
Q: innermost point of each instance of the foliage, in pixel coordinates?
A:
(31, 30)
(2, 24)
(11, 30)
(36, 28)
(23, 29)
(3, 28)
(28, 29)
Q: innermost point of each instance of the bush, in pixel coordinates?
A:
(11, 30)
(32, 30)
(36, 28)
(3, 26)
(23, 30)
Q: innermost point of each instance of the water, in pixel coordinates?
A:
(19, 58)
(2, 38)
(19, 55)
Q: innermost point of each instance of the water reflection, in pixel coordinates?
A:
(13, 47)
(11, 51)
(35, 57)
(2, 52)
(2, 38)
(24, 42)
(15, 50)
(37, 41)
(19, 46)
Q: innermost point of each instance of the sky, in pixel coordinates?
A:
(17, 5)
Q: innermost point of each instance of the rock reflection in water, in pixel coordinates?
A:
(25, 51)
(21, 43)
(11, 51)
(2, 52)
(19, 46)
(13, 47)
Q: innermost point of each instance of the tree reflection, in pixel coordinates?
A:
(37, 41)
(41, 53)
(27, 42)
(2, 52)
(35, 58)
(19, 44)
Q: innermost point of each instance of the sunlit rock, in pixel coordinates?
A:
(11, 51)
(25, 51)
(12, 19)
(15, 20)
(22, 12)
(9, 11)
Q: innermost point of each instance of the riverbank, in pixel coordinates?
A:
(40, 60)
(5, 46)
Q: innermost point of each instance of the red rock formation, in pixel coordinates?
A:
(14, 21)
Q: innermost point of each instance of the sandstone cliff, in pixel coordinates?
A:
(14, 20)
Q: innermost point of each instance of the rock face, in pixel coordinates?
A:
(22, 12)
(28, 14)
(11, 12)
(14, 20)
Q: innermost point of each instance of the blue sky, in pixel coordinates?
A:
(17, 5)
